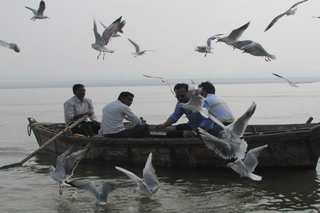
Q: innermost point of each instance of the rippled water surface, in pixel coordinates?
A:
(31, 189)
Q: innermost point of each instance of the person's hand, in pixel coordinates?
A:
(189, 134)
(157, 127)
(89, 113)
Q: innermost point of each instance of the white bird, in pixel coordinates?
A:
(162, 79)
(293, 84)
(207, 49)
(256, 49)
(196, 101)
(102, 41)
(291, 11)
(12, 46)
(121, 25)
(138, 52)
(101, 194)
(240, 44)
(246, 167)
(38, 14)
(65, 165)
(150, 185)
(234, 35)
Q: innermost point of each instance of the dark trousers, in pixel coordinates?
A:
(139, 131)
(86, 128)
(178, 132)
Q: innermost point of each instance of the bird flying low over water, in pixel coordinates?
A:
(38, 14)
(234, 35)
(291, 11)
(293, 84)
(247, 166)
(162, 79)
(101, 195)
(12, 46)
(137, 48)
(150, 185)
(66, 164)
(207, 49)
(102, 41)
(256, 49)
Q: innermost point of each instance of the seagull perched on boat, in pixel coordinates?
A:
(138, 52)
(230, 145)
(102, 41)
(234, 35)
(65, 165)
(101, 194)
(247, 166)
(291, 11)
(12, 46)
(207, 49)
(293, 84)
(162, 79)
(121, 25)
(150, 185)
(256, 49)
(38, 14)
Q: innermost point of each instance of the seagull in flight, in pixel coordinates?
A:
(207, 49)
(256, 49)
(66, 164)
(150, 185)
(196, 101)
(230, 145)
(162, 79)
(102, 41)
(101, 194)
(38, 14)
(121, 25)
(247, 166)
(291, 11)
(138, 52)
(12, 46)
(293, 84)
(234, 35)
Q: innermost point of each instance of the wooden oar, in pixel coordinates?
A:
(45, 144)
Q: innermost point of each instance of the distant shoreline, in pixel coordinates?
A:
(144, 82)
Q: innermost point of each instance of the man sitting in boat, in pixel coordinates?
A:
(78, 106)
(113, 115)
(218, 106)
(195, 119)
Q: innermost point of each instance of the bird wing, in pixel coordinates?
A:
(33, 10)
(290, 82)
(61, 160)
(86, 185)
(133, 177)
(240, 44)
(239, 126)
(72, 161)
(236, 33)
(251, 160)
(149, 174)
(4, 44)
(106, 188)
(296, 4)
(135, 45)
(42, 7)
(162, 79)
(99, 40)
(111, 30)
(220, 146)
(274, 21)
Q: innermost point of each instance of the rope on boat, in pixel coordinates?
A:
(33, 123)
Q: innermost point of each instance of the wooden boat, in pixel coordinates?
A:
(289, 145)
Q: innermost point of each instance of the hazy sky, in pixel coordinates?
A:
(61, 46)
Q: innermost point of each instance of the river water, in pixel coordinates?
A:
(31, 189)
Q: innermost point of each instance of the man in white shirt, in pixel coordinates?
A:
(78, 106)
(113, 115)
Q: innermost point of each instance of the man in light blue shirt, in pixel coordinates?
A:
(195, 119)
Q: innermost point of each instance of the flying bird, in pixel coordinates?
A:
(38, 14)
(101, 194)
(240, 44)
(138, 52)
(150, 185)
(234, 35)
(291, 11)
(246, 167)
(293, 84)
(256, 49)
(121, 25)
(207, 49)
(162, 79)
(196, 101)
(102, 41)
(12, 46)
(66, 164)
